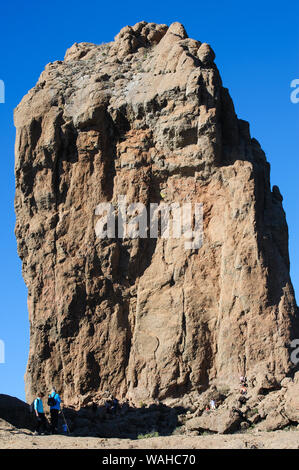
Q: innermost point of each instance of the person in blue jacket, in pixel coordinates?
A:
(41, 421)
(54, 401)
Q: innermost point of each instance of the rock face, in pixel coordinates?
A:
(146, 117)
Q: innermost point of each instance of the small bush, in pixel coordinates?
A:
(147, 436)
(177, 430)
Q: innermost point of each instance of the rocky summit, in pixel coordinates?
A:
(146, 117)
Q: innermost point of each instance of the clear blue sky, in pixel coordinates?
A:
(257, 52)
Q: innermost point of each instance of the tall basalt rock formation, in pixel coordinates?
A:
(146, 116)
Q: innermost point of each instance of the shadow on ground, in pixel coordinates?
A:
(16, 412)
(126, 422)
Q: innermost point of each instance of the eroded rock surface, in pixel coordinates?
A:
(146, 116)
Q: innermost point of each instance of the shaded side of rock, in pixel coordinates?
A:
(16, 412)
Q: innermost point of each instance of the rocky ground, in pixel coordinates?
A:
(261, 419)
(13, 438)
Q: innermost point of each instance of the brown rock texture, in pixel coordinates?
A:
(223, 422)
(146, 116)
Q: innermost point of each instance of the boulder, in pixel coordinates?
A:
(274, 420)
(206, 54)
(292, 400)
(221, 421)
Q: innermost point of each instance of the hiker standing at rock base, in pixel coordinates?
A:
(39, 413)
(54, 401)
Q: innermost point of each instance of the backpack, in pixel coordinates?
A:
(51, 401)
(31, 407)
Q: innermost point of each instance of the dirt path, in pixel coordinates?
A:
(20, 439)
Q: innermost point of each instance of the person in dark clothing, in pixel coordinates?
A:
(42, 424)
(54, 401)
(54, 420)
